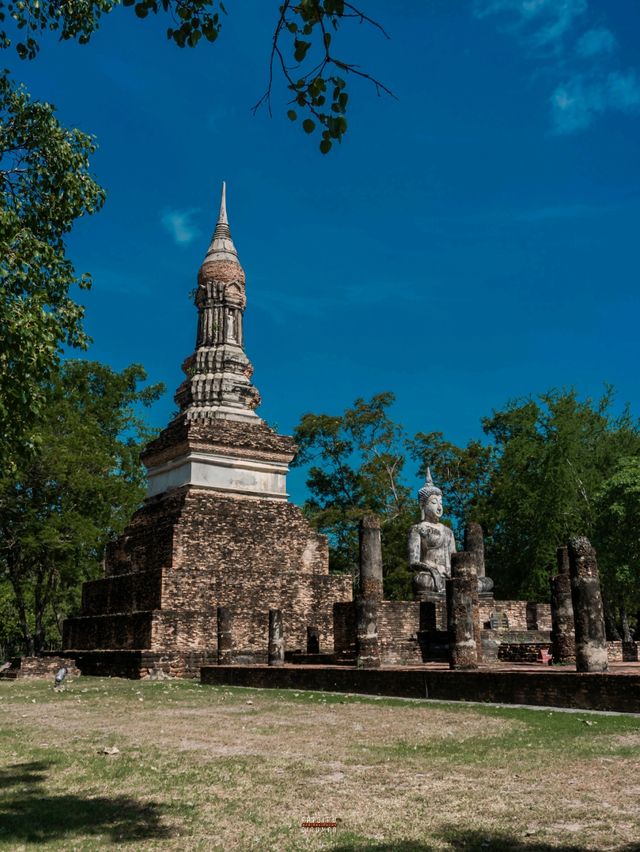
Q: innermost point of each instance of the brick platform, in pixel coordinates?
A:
(44, 667)
(618, 690)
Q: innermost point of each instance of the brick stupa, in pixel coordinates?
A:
(216, 528)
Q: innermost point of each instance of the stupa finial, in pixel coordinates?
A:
(222, 216)
(222, 247)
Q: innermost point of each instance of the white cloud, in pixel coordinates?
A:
(559, 31)
(593, 42)
(576, 103)
(541, 24)
(178, 223)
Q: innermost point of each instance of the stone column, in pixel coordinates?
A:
(462, 596)
(367, 642)
(588, 614)
(276, 638)
(366, 604)
(563, 646)
(313, 639)
(370, 558)
(474, 543)
(225, 636)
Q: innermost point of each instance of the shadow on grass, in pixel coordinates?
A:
(23, 773)
(31, 816)
(473, 841)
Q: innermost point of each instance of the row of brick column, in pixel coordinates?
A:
(276, 641)
(577, 613)
(578, 632)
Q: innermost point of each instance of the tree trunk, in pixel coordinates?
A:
(613, 634)
(27, 636)
(624, 622)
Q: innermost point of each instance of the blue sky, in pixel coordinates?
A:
(473, 241)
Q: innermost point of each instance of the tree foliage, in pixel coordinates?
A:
(303, 50)
(617, 535)
(64, 502)
(550, 458)
(45, 185)
(356, 465)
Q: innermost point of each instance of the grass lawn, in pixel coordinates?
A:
(203, 767)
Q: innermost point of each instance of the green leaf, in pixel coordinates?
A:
(308, 125)
(292, 115)
(300, 49)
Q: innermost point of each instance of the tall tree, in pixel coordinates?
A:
(357, 462)
(45, 185)
(61, 504)
(617, 537)
(551, 456)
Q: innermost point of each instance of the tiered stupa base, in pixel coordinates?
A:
(192, 549)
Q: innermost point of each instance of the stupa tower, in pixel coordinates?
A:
(217, 399)
(218, 383)
(216, 529)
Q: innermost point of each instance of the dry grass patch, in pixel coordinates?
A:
(219, 768)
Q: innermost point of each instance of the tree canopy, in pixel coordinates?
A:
(45, 185)
(617, 532)
(356, 465)
(550, 458)
(75, 492)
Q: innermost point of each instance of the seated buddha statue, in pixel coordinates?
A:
(430, 543)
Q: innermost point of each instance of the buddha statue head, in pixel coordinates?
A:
(430, 500)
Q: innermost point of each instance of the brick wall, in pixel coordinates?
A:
(547, 687)
(398, 626)
(193, 550)
(623, 652)
(122, 593)
(121, 631)
(45, 667)
(407, 637)
(522, 615)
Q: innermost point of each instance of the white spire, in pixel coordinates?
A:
(222, 247)
(222, 215)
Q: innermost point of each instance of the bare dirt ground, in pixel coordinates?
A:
(218, 768)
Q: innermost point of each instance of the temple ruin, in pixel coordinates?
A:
(219, 568)
(217, 533)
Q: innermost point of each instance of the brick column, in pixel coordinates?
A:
(367, 642)
(474, 543)
(588, 613)
(366, 604)
(563, 646)
(225, 636)
(276, 638)
(462, 597)
(370, 558)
